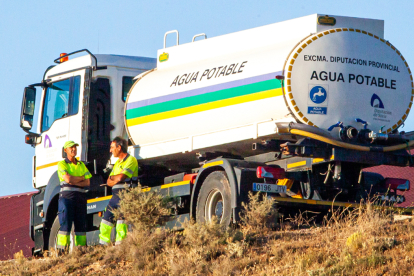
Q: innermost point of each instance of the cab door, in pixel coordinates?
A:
(60, 121)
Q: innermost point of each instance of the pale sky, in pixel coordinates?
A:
(34, 33)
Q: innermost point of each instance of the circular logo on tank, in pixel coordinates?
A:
(317, 94)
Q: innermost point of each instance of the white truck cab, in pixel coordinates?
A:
(82, 99)
(67, 112)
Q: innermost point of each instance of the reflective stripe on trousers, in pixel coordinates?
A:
(106, 229)
(80, 238)
(63, 239)
(121, 231)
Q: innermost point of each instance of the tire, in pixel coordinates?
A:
(214, 199)
(53, 235)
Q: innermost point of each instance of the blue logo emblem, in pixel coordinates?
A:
(318, 94)
(376, 101)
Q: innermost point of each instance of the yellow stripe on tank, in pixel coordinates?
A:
(204, 107)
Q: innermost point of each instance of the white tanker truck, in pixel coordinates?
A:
(295, 109)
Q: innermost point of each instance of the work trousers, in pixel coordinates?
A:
(108, 222)
(72, 211)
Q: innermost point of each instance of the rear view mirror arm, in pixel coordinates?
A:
(41, 84)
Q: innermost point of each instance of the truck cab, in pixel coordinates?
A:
(82, 99)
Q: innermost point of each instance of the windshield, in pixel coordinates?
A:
(61, 100)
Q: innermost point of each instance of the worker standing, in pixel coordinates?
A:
(74, 177)
(123, 172)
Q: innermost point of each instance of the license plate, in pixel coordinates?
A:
(269, 188)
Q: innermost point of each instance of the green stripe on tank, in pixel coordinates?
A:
(204, 98)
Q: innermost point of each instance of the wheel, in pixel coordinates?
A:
(214, 199)
(53, 235)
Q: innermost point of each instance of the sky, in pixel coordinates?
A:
(34, 33)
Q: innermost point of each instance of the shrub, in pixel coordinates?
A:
(142, 209)
(355, 241)
(259, 213)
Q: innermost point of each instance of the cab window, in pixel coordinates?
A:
(61, 100)
(127, 83)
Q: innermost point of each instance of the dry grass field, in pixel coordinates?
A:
(364, 241)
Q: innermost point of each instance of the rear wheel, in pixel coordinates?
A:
(214, 199)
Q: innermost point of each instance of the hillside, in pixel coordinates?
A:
(359, 242)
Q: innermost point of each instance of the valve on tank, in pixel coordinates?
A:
(363, 134)
(348, 133)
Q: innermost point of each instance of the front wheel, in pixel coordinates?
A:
(214, 199)
(53, 235)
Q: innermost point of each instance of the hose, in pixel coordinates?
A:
(288, 126)
(350, 146)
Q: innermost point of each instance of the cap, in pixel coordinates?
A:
(70, 144)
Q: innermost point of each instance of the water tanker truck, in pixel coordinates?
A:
(295, 109)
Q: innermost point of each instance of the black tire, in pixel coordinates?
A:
(214, 199)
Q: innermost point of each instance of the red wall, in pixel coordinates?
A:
(14, 225)
(398, 172)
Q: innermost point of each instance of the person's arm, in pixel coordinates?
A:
(115, 179)
(65, 176)
(73, 180)
(83, 183)
(127, 172)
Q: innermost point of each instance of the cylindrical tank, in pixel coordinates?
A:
(336, 75)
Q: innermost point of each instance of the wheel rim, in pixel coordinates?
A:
(214, 206)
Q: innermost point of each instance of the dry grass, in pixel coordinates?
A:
(358, 242)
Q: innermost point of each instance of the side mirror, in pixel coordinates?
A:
(28, 108)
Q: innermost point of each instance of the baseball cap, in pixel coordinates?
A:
(70, 144)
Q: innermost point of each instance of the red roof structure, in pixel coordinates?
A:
(14, 225)
(398, 172)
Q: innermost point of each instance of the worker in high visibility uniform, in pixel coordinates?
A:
(123, 173)
(74, 177)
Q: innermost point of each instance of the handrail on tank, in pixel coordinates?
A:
(83, 50)
(197, 35)
(170, 32)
